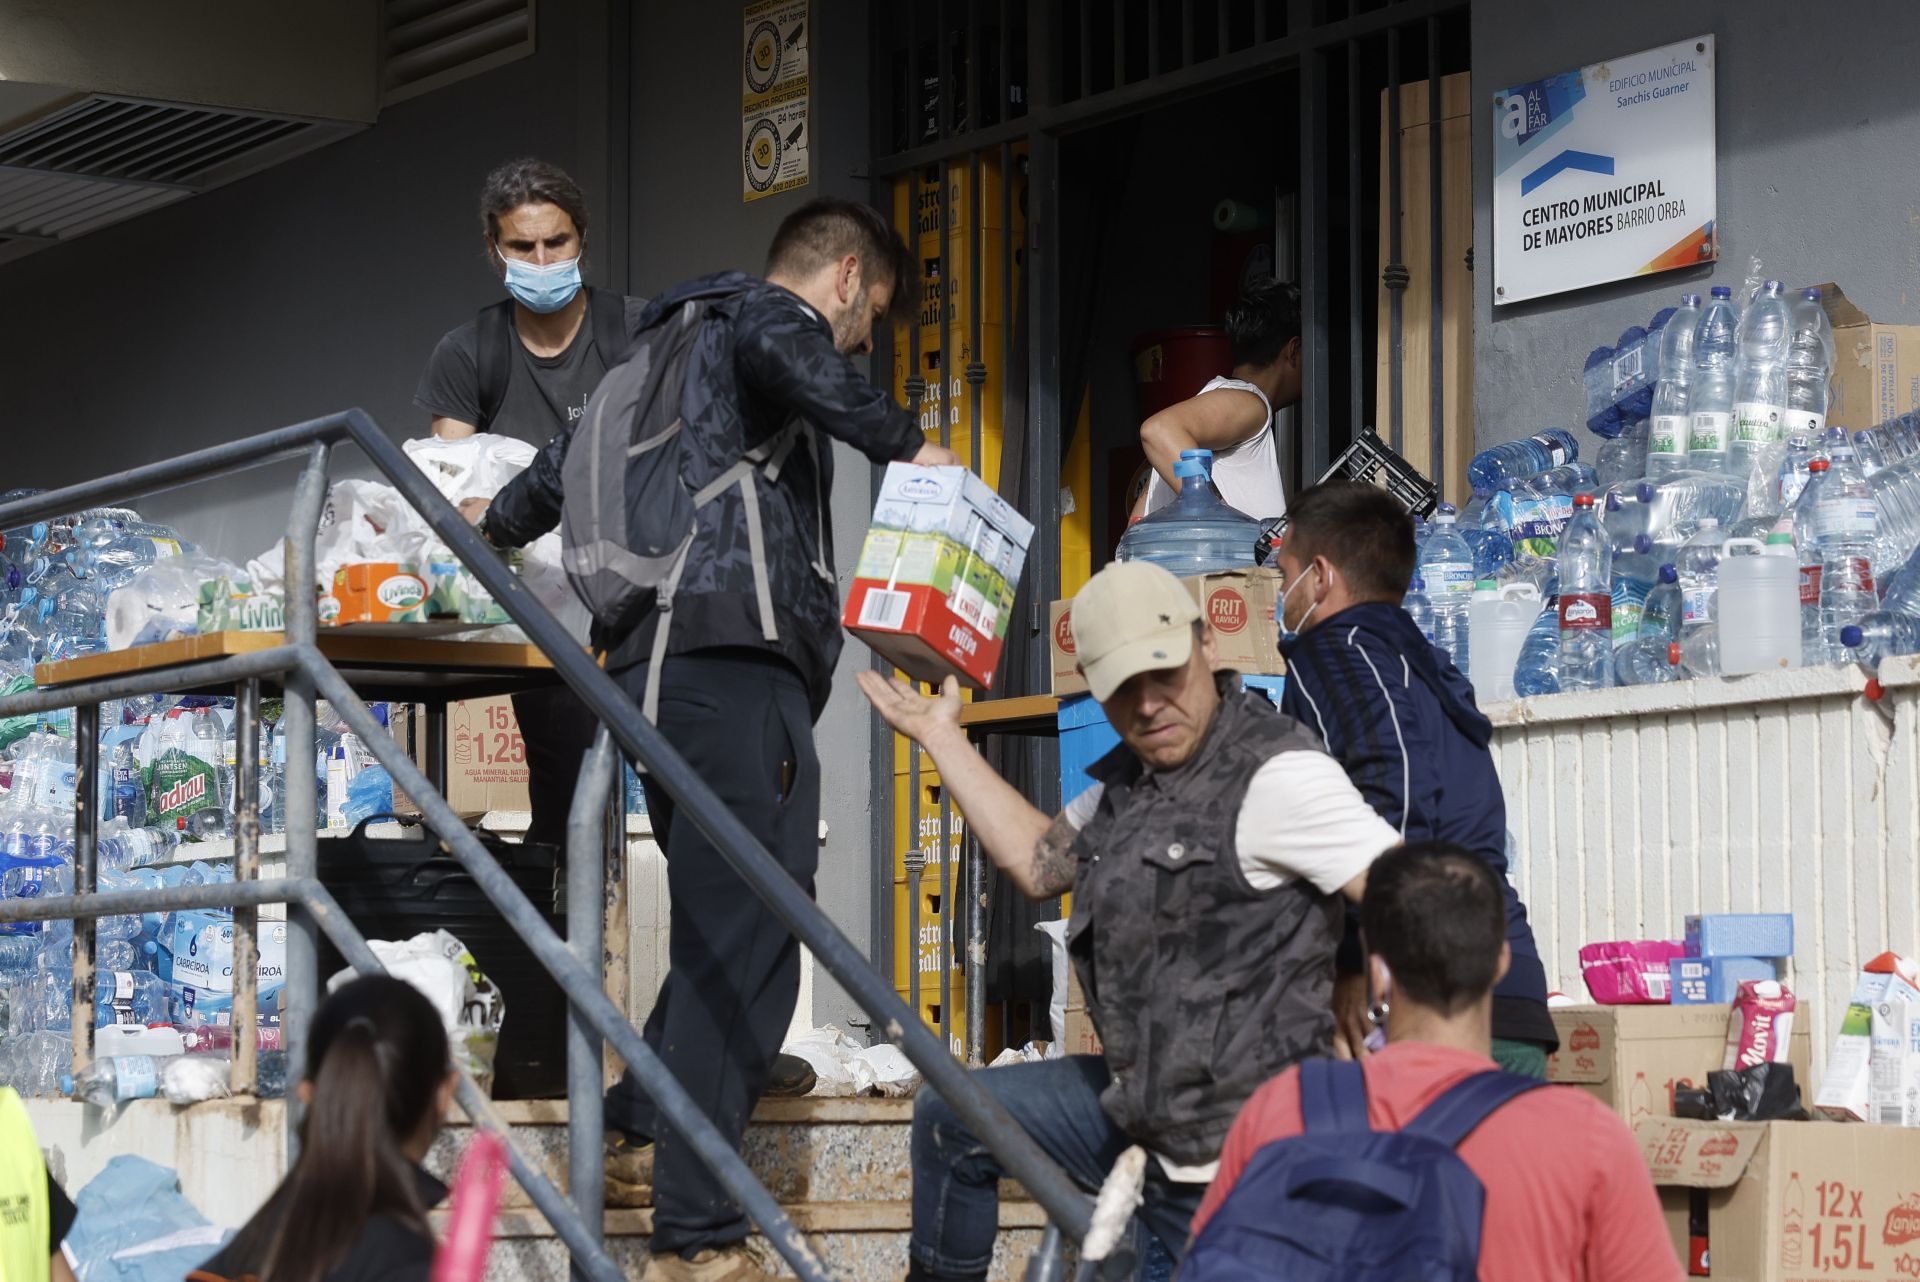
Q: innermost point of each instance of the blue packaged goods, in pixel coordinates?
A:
(1715, 981)
(196, 960)
(1740, 935)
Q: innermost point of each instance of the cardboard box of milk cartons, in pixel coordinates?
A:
(934, 589)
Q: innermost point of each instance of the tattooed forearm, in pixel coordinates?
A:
(1052, 870)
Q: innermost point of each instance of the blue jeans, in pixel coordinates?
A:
(956, 1199)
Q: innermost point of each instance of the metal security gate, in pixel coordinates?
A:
(973, 103)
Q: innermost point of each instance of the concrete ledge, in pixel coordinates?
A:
(1902, 672)
(808, 1217)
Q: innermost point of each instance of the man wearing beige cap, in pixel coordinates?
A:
(1207, 865)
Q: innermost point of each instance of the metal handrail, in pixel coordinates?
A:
(310, 674)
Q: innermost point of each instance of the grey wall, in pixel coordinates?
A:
(1817, 151)
(688, 218)
(317, 285)
(325, 283)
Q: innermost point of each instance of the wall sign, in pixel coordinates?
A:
(776, 143)
(1604, 173)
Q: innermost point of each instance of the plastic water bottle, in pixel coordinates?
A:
(1538, 670)
(128, 788)
(1418, 607)
(1586, 601)
(1866, 448)
(1596, 376)
(137, 847)
(1671, 422)
(1653, 655)
(1565, 479)
(1518, 460)
(19, 954)
(1900, 592)
(1710, 432)
(108, 1083)
(1808, 365)
(1793, 468)
(1813, 639)
(1846, 527)
(273, 782)
(1633, 371)
(133, 997)
(40, 1062)
(1699, 566)
(1624, 458)
(1879, 635)
(1846, 597)
(1760, 387)
(1197, 533)
(1446, 566)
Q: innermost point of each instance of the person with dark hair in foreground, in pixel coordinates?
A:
(1392, 708)
(354, 1206)
(1568, 1196)
(1233, 416)
(739, 692)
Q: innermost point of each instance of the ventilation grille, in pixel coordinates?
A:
(99, 160)
(431, 43)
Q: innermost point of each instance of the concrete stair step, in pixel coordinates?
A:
(805, 1150)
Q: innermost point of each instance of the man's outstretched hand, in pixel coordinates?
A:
(910, 712)
(935, 455)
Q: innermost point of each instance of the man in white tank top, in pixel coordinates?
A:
(1233, 416)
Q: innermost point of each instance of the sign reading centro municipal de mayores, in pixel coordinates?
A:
(1604, 173)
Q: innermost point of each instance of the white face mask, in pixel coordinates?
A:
(1289, 635)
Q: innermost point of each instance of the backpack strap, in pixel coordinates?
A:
(1453, 1117)
(765, 459)
(664, 594)
(607, 313)
(1333, 1096)
(493, 359)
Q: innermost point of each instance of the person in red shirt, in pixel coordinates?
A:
(1568, 1198)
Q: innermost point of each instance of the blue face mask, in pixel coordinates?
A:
(542, 289)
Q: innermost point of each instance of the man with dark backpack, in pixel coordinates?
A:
(692, 500)
(1425, 1159)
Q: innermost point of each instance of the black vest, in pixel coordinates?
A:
(1201, 987)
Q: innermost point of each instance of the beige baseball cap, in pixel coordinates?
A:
(1131, 618)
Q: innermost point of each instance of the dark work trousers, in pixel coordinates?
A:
(558, 731)
(743, 722)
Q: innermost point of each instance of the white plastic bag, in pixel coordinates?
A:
(1056, 933)
(842, 1066)
(472, 1008)
(162, 602)
(473, 467)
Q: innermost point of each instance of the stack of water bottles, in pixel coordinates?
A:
(1750, 535)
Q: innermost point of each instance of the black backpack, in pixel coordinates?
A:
(493, 348)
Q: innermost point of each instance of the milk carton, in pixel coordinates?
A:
(1846, 1092)
(933, 592)
(1894, 1091)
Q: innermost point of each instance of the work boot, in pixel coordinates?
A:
(731, 1263)
(791, 1078)
(628, 1167)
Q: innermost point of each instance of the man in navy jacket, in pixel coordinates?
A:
(1401, 719)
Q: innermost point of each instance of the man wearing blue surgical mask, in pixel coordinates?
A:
(525, 366)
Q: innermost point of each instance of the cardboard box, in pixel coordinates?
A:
(1846, 1091)
(934, 589)
(1631, 1058)
(486, 758)
(1792, 1201)
(1895, 1090)
(1876, 368)
(375, 592)
(1238, 603)
(1740, 935)
(1082, 1039)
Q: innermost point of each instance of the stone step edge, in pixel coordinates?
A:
(842, 1110)
(808, 1217)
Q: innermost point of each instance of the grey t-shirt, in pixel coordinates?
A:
(543, 394)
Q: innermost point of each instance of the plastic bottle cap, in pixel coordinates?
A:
(1200, 456)
(1583, 500)
(1851, 636)
(1645, 492)
(1721, 291)
(1709, 522)
(1689, 300)
(66, 1083)
(1642, 544)
(1673, 653)
(1668, 574)
(180, 824)
(1773, 285)
(1811, 293)
(1818, 465)
(1189, 468)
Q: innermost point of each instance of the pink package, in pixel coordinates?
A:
(1630, 972)
(1761, 1025)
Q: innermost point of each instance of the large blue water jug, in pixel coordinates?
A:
(1197, 533)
